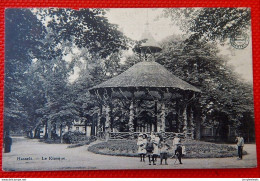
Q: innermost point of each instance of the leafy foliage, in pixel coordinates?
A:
(22, 32)
(211, 23)
(41, 55)
(73, 137)
(224, 98)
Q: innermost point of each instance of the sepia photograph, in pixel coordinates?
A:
(128, 88)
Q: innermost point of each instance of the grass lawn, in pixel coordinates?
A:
(194, 149)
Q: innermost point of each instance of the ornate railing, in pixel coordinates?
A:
(134, 135)
(123, 135)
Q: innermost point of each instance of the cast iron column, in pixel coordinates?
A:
(184, 116)
(192, 123)
(107, 123)
(131, 117)
(162, 118)
(99, 113)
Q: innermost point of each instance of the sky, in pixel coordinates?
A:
(131, 22)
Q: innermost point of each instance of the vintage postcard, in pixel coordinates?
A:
(139, 88)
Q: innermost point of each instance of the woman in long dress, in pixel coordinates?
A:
(141, 142)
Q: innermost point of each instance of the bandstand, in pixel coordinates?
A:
(157, 100)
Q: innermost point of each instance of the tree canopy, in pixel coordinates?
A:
(22, 34)
(225, 98)
(36, 56)
(211, 23)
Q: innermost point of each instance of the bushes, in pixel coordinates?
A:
(86, 142)
(194, 149)
(74, 137)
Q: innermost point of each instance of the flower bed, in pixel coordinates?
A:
(194, 149)
(115, 148)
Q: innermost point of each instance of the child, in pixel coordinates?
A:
(149, 150)
(156, 142)
(164, 147)
(176, 141)
(178, 153)
(141, 142)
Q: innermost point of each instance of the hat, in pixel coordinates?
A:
(140, 135)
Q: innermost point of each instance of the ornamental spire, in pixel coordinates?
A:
(148, 46)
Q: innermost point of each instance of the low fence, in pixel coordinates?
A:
(134, 135)
(18, 134)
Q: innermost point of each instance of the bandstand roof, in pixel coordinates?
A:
(146, 75)
(149, 43)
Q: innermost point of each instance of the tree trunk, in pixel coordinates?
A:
(49, 129)
(93, 127)
(60, 133)
(46, 130)
(86, 127)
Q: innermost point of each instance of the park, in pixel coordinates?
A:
(77, 95)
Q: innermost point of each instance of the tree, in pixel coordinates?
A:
(88, 28)
(98, 44)
(224, 98)
(22, 34)
(211, 23)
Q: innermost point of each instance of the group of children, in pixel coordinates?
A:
(154, 146)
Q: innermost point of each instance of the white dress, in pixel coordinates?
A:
(141, 145)
(152, 137)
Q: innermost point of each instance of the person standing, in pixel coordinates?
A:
(156, 142)
(7, 143)
(240, 145)
(141, 142)
(149, 150)
(178, 153)
(176, 141)
(164, 147)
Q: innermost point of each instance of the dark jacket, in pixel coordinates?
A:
(178, 151)
(149, 146)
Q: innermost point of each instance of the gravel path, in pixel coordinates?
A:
(42, 156)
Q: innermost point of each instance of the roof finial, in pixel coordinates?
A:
(147, 19)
